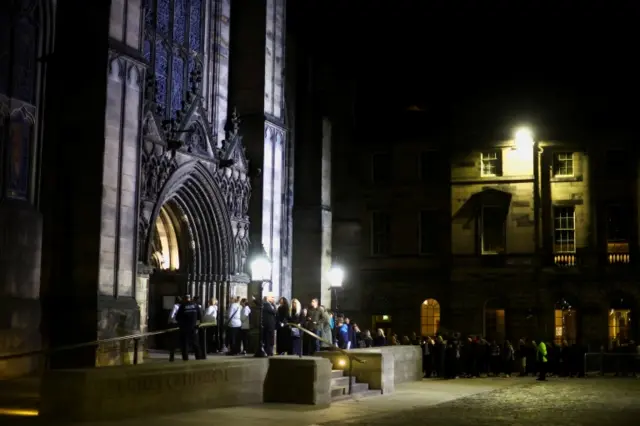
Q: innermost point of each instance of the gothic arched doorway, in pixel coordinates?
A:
(429, 317)
(190, 245)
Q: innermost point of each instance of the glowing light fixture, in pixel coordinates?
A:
(336, 276)
(523, 138)
(260, 268)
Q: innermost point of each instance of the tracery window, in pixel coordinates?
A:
(19, 41)
(173, 46)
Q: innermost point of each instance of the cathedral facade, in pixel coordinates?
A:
(144, 144)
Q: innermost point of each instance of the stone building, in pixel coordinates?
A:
(506, 239)
(144, 143)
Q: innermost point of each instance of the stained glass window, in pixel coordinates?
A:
(173, 47)
(19, 41)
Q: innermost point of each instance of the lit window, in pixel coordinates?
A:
(492, 230)
(619, 325)
(566, 326)
(563, 164)
(491, 163)
(429, 232)
(429, 317)
(564, 230)
(380, 233)
(495, 324)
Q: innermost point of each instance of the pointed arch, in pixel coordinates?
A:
(208, 224)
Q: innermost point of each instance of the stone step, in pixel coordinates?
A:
(337, 373)
(337, 382)
(360, 395)
(356, 388)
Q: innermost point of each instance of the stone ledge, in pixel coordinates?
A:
(384, 367)
(311, 384)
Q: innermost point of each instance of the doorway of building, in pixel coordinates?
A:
(430, 317)
(620, 323)
(565, 322)
(494, 324)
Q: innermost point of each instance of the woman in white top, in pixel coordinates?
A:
(244, 328)
(233, 325)
(211, 332)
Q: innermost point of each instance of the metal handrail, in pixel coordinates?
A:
(134, 337)
(333, 347)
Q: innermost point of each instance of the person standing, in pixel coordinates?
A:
(245, 319)
(542, 361)
(173, 337)
(268, 323)
(297, 316)
(211, 317)
(188, 316)
(234, 323)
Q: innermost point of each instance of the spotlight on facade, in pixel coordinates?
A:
(336, 276)
(523, 139)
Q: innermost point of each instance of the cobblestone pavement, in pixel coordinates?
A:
(557, 402)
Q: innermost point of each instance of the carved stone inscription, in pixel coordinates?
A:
(171, 381)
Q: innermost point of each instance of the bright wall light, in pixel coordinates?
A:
(523, 138)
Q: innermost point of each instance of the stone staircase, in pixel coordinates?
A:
(340, 387)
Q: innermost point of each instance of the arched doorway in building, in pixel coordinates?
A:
(620, 320)
(565, 321)
(494, 317)
(190, 245)
(429, 317)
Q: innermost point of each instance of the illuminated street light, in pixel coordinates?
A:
(336, 276)
(524, 139)
(260, 268)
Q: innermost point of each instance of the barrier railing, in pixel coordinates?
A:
(611, 363)
(350, 356)
(136, 338)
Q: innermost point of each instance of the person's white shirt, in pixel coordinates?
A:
(174, 311)
(233, 315)
(211, 314)
(244, 317)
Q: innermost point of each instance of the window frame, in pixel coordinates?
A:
(558, 160)
(497, 159)
(481, 233)
(374, 233)
(556, 210)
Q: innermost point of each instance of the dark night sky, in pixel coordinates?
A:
(488, 65)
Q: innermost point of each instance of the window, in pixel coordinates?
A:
(492, 230)
(563, 164)
(432, 166)
(429, 232)
(491, 163)
(429, 317)
(619, 325)
(564, 230)
(20, 36)
(173, 45)
(495, 324)
(380, 168)
(618, 233)
(566, 326)
(380, 233)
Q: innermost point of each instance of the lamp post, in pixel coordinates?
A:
(260, 274)
(336, 278)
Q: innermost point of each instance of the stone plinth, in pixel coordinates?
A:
(113, 393)
(311, 384)
(384, 367)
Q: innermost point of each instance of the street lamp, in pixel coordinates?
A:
(260, 274)
(523, 139)
(336, 278)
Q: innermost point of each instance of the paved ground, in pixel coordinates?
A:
(478, 402)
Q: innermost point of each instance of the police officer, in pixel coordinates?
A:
(188, 316)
